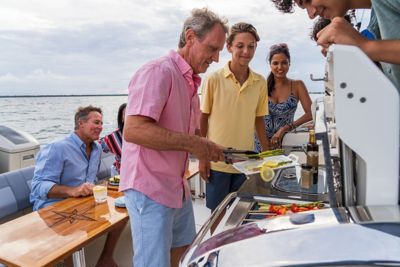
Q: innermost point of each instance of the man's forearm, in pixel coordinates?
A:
(204, 124)
(383, 50)
(144, 131)
(151, 135)
(63, 191)
(340, 31)
(59, 191)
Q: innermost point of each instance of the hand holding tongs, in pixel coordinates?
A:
(235, 154)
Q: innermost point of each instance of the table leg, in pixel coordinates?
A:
(199, 187)
(78, 258)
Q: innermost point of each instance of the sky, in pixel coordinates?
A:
(95, 46)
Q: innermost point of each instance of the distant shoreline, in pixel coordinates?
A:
(18, 96)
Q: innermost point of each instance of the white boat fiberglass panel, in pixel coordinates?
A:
(238, 234)
(317, 245)
(367, 121)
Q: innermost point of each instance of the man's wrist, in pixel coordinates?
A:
(368, 47)
(190, 143)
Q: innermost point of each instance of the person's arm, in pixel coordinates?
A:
(145, 131)
(63, 191)
(48, 170)
(383, 50)
(261, 112)
(204, 124)
(339, 31)
(262, 134)
(305, 101)
(204, 166)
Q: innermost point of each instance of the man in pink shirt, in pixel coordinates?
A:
(161, 117)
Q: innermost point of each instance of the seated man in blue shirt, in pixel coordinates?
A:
(68, 168)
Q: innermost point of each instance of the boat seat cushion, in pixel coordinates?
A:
(8, 203)
(15, 187)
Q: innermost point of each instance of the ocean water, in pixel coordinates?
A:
(52, 118)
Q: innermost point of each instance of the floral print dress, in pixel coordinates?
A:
(280, 114)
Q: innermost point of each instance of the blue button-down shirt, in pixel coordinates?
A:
(64, 163)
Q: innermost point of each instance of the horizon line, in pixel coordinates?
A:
(66, 95)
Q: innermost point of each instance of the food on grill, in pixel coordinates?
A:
(275, 163)
(269, 163)
(283, 209)
(270, 153)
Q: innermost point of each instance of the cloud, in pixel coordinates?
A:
(95, 46)
(8, 77)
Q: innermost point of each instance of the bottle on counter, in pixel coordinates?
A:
(312, 154)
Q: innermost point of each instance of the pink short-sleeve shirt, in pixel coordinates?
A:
(166, 91)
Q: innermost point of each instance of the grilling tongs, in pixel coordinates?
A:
(232, 155)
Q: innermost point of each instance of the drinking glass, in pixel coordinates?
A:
(100, 192)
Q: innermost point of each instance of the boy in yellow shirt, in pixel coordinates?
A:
(234, 103)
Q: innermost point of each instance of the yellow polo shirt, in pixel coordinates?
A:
(232, 110)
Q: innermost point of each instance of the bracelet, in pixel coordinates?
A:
(292, 126)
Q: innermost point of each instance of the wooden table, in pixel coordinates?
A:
(193, 169)
(44, 237)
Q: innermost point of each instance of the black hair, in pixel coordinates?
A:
(120, 120)
(285, 6)
(321, 23)
(273, 50)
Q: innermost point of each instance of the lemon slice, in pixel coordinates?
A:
(267, 173)
(271, 163)
(99, 188)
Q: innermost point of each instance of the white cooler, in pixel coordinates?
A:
(17, 149)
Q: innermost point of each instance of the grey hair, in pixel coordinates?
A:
(201, 22)
(82, 114)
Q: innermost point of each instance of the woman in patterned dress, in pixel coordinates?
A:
(284, 95)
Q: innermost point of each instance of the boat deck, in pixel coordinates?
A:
(123, 253)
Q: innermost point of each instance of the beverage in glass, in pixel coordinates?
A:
(100, 193)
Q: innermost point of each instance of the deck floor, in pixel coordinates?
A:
(123, 254)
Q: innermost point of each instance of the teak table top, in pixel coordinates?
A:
(44, 237)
